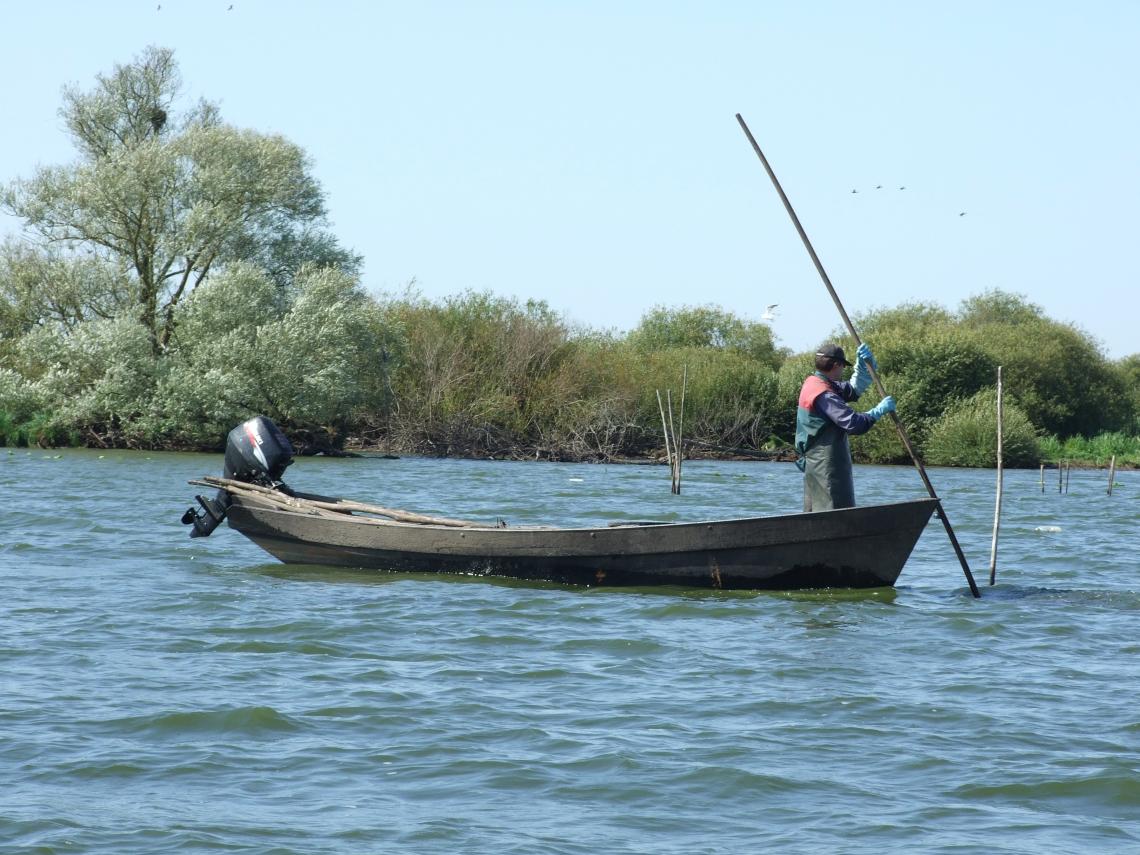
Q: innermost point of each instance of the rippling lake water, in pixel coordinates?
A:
(162, 694)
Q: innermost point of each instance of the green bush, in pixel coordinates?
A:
(1057, 371)
(1099, 450)
(476, 372)
(312, 358)
(89, 383)
(731, 401)
(709, 327)
(966, 435)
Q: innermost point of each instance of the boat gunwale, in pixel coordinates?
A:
(358, 518)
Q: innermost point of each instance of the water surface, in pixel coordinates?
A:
(162, 694)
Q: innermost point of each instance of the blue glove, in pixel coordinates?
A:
(863, 354)
(887, 405)
(861, 379)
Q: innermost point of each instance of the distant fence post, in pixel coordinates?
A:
(1111, 474)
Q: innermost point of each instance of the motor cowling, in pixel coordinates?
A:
(257, 452)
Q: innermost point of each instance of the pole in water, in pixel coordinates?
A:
(1068, 475)
(997, 504)
(1111, 474)
(1042, 477)
(1060, 475)
(940, 511)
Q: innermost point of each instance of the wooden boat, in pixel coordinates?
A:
(851, 548)
(858, 547)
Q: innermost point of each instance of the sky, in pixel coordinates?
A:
(587, 153)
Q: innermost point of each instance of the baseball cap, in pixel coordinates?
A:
(833, 351)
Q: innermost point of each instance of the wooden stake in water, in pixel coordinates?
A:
(673, 454)
(1042, 477)
(1060, 475)
(665, 430)
(1068, 475)
(677, 437)
(1111, 474)
(997, 504)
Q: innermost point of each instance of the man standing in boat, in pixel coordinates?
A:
(824, 421)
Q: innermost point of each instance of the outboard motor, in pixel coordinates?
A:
(257, 452)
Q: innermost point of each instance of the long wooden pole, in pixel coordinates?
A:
(997, 504)
(874, 374)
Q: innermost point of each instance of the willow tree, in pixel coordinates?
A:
(170, 197)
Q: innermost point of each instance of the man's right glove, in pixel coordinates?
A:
(887, 405)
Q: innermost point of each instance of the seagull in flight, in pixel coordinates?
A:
(769, 315)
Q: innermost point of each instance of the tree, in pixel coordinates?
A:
(998, 307)
(312, 357)
(171, 199)
(705, 326)
(51, 287)
(1055, 370)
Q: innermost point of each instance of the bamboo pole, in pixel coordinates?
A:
(941, 512)
(997, 504)
(1111, 474)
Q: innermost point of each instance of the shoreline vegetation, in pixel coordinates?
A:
(479, 376)
(180, 276)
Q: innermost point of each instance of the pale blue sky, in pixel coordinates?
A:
(587, 153)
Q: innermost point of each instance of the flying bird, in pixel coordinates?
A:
(854, 191)
(902, 188)
(962, 214)
(769, 315)
(878, 186)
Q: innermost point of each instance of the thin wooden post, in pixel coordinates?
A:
(676, 451)
(1068, 475)
(941, 511)
(1111, 474)
(1060, 475)
(1042, 477)
(665, 430)
(997, 504)
(679, 436)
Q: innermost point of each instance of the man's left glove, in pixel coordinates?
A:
(861, 379)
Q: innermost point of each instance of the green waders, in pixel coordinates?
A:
(829, 482)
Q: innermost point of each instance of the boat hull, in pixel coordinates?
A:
(851, 548)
